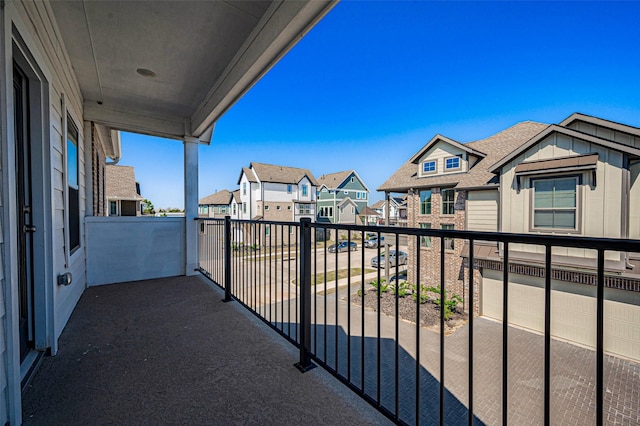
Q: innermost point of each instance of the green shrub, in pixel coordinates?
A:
(402, 289)
(450, 303)
(382, 286)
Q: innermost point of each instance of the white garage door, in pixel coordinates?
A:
(573, 311)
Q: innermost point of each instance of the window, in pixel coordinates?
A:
(452, 163)
(277, 207)
(428, 167)
(448, 201)
(352, 179)
(425, 202)
(267, 230)
(364, 195)
(289, 189)
(353, 210)
(425, 241)
(448, 242)
(266, 208)
(113, 208)
(288, 207)
(357, 195)
(244, 188)
(234, 208)
(244, 207)
(305, 190)
(73, 193)
(555, 203)
(346, 192)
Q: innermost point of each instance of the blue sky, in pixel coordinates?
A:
(374, 81)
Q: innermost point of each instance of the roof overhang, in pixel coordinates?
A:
(172, 68)
(554, 165)
(439, 138)
(567, 132)
(630, 130)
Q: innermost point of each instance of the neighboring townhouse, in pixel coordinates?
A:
(449, 185)
(341, 197)
(579, 178)
(216, 205)
(397, 211)
(276, 193)
(123, 192)
(236, 205)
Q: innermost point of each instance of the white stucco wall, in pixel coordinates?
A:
(121, 249)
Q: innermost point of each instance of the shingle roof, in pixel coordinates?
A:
(378, 205)
(236, 196)
(495, 147)
(368, 211)
(120, 183)
(281, 174)
(333, 180)
(250, 175)
(219, 198)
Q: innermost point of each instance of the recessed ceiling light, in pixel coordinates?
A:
(146, 73)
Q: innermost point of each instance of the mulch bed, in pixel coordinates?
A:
(429, 311)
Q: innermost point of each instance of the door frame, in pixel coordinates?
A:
(18, 45)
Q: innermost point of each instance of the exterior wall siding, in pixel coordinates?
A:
(482, 211)
(602, 132)
(594, 197)
(439, 153)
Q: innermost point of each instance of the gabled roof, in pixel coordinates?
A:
(495, 168)
(347, 200)
(219, 198)
(335, 180)
(368, 211)
(120, 183)
(439, 138)
(378, 205)
(630, 130)
(281, 174)
(251, 177)
(236, 196)
(493, 148)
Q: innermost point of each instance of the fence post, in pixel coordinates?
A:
(227, 259)
(305, 363)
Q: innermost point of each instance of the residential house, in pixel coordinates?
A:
(369, 216)
(580, 179)
(123, 192)
(449, 185)
(216, 205)
(342, 196)
(276, 193)
(74, 74)
(397, 211)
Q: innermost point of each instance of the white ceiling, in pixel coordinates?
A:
(205, 55)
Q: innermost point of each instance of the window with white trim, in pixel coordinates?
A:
(425, 241)
(305, 190)
(425, 202)
(289, 188)
(73, 193)
(244, 188)
(555, 203)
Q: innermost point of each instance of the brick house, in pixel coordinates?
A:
(449, 185)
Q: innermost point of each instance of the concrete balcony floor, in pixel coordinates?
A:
(168, 351)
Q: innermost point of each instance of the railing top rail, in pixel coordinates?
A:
(593, 243)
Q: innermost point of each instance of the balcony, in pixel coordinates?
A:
(169, 350)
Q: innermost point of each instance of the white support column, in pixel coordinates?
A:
(191, 204)
(88, 168)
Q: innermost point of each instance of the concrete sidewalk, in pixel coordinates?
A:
(168, 351)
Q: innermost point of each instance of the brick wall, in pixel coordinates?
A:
(430, 256)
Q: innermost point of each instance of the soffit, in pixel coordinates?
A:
(205, 55)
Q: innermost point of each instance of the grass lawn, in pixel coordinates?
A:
(342, 273)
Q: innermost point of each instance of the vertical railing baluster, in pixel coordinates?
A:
(227, 259)
(442, 301)
(362, 266)
(547, 335)
(600, 340)
(397, 330)
(305, 363)
(417, 275)
(505, 335)
(471, 308)
(348, 306)
(378, 340)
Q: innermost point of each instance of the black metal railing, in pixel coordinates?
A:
(288, 274)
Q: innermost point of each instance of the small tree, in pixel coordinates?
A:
(147, 207)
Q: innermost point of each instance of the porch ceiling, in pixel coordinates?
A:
(205, 55)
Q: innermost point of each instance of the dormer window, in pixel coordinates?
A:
(452, 163)
(429, 167)
(305, 190)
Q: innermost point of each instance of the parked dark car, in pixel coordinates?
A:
(343, 246)
(400, 257)
(373, 242)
